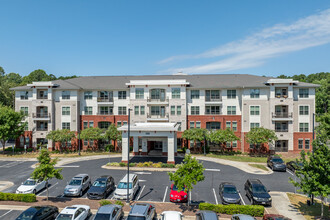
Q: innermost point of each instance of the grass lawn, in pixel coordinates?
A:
(259, 166)
(241, 158)
(309, 212)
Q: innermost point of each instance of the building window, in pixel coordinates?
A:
(254, 93)
(300, 143)
(139, 93)
(198, 124)
(106, 110)
(228, 124)
(281, 126)
(65, 94)
(105, 96)
(158, 110)
(88, 95)
(192, 124)
(231, 94)
(212, 110)
(303, 93)
(24, 95)
(91, 124)
(65, 110)
(178, 110)
(303, 110)
(121, 94)
(179, 123)
(66, 125)
(234, 125)
(104, 124)
(88, 110)
(118, 124)
(158, 94)
(194, 94)
(121, 110)
(213, 125)
(172, 109)
(303, 127)
(281, 92)
(142, 110)
(194, 110)
(176, 93)
(85, 124)
(254, 110)
(136, 110)
(307, 143)
(231, 110)
(254, 125)
(42, 126)
(234, 145)
(25, 110)
(26, 126)
(212, 95)
(124, 122)
(42, 94)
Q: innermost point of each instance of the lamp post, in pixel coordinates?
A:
(79, 143)
(128, 149)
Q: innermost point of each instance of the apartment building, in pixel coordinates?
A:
(162, 107)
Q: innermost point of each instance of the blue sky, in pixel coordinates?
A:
(139, 37)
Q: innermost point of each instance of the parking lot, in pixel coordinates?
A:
(154, 186)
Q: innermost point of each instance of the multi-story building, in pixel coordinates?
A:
(162, 107)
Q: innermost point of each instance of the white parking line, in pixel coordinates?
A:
(68, 166)
(6, 213)
(142, 173)
(48, 189)
(140, 192)
(215, 196)
(165, 194)
(241, 198)
(216, 170)
(11, 164)
(289, 172)
(142, 180)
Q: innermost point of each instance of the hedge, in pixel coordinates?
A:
(18, 197)
(254, 210)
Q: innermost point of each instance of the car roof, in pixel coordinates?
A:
(228, 184)
(140, 208)
(172, 215)
(80, 176)
(244, 217)
(69, 210)
(131, 177)
(255, 181)
(106, 209)
(208, 214)
(101, 178)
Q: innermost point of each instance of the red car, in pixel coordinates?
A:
(176, 196)
(274, 217)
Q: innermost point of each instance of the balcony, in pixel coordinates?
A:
(282, 116)
(158, 101)
(41, 116)
(103, 99)
(162, 117)
(104, 113)
(282, 130)
(212, 99)
(42, 129)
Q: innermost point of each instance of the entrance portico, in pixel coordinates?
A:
(151, 136)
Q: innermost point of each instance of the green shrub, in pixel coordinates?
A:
(122, 164)
(139, 164)
(105, 202)
(132, 164)
(115, 164)
(29, 150)
(157, 165)
(253, 210)
(119, 203)
(18, 197)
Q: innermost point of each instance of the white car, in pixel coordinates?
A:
(75, 212)
(31, 186)
(171, 215)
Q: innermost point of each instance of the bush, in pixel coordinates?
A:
(105, 202)
(157, 165)
(115, 164)
(253, 210)
(132, 164)
(18, 197)
(119, 203)
(122, 164)
(139, 165)
(29, 150)
(109, 147)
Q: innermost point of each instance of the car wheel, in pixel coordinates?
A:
(80, 194)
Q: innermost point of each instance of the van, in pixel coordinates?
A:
(121, 190)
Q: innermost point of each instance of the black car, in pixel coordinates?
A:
(229, 194)
(276, 163)
(101, 188)
(39, 213)
(293, 166)
(206, 215)
(257, 192)
(142, 211)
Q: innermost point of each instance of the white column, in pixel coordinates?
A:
(144, 145)
(136, 144)
(170, 148)
(124, 156)
(175, 143)
(164, 149)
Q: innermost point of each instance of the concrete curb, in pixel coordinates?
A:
(140, 168)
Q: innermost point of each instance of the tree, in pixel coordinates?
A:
(314, 175)
(223, 136)
(91, 134)
(37, 75)
(258, 136)
(11, 125)
(112, 133)
(188, 174)
(323, 95)
(195, 134)
(61, 136)
(45, 169)
(13, 78)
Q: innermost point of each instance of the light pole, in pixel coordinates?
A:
(128, 149)
(79, 143)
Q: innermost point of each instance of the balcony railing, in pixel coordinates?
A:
(42, 129)
(105, 113)
(102, 99)
(157, 100)
(213, 113)
(282, 130)
(42, 97)
(281, 115)
(41, 115)
(281, 96)
(212, 99)
(157, 116)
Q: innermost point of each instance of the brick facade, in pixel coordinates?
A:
(303, 136)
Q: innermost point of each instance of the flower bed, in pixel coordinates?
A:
(145, 164)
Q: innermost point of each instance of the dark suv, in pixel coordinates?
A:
(257, 192)
(101, 188)
(276, 163)
(229, 194)
(142, 211)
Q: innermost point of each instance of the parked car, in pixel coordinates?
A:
(121, 190)
(101, 188)
(39, 213)
(77, 185)
(206, 215)
(31, 186)
(142, 211)
(109, 212)
(293, 165)
(229, 194)
(171, 215)
(257, 192)
(75, 212)
(276, 163)
(176, 196)
(242, 217)
(274, 217)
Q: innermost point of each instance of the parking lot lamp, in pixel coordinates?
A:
(79, 143)
(128, 149)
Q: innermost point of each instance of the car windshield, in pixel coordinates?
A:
(75, 182)
(29, 183)
(28, 214)
(64, 217)
(230, 190)
(259, 189)
(277, 160)
(175, 188)
(136, 218)
(123, 185)
(99, 183)
(102, 216)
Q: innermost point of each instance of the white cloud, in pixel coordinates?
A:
(255, 49)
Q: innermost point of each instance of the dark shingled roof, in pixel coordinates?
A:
(205, 81)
